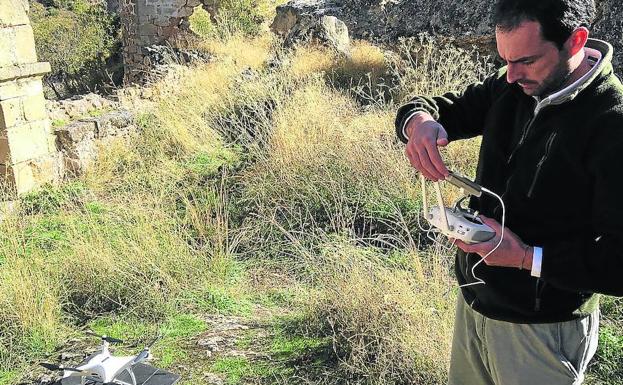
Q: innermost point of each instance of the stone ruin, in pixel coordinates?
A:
(28, 156)
(147, 23)
(156, 22)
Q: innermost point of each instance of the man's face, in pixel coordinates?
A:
(535, 64)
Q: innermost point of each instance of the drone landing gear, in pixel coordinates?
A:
(144, 375)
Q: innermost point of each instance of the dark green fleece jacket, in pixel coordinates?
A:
(557, 164)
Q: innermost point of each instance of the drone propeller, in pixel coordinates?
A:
(142, 356)
(105, 338)
(153, 342)
(145, 353)
(59, 368)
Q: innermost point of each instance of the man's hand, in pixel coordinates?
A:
(511, 253)
(425, 135)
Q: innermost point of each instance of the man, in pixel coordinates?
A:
(551, 123)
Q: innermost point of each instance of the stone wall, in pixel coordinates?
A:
(28, 156)
(85, 123)
(152, 22)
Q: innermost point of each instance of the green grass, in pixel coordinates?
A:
(175, 333)
(238, 369)
(234, 369)
(59, 123)
(171, 335)
(287, 350)
(8, 377)
(285, 347)
(182, 326)
(127, 330)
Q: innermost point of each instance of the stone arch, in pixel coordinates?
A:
(153, 22)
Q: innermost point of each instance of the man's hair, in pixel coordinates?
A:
(558, 18)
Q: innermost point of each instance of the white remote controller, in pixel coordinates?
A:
(462, 225)
(457, 223)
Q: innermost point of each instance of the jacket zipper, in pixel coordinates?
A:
(524, 133)
(548, 147)
(537, 295)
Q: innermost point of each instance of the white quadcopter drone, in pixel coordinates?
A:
(103, 367)
(457, 222)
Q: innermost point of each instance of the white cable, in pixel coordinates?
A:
(479, 281)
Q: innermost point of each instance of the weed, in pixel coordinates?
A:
(182, 326)
(126, 330)
(235, 368)
(50, 199)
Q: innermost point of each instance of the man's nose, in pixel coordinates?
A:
(512, 73)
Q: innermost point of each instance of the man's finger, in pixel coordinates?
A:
(437, 162)
(427, 164)
(466, 247)
(495, 225)
(442, 137)
(417, 164)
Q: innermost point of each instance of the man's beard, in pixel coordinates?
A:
(555, 81)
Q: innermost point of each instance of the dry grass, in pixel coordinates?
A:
(390, 320)
(423, 68)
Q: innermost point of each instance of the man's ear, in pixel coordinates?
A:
(577, 40)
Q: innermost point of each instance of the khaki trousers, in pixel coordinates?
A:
(490, 352)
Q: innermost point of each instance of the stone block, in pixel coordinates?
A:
(27, 176)
(149, 9)
(25, 43)
(17, 45)
(20, 71)
(13, 12)
(7, 47)
(20, 87)
(11, 113)
(147, 30)
(29, 141)
(182, 12)
(34, 107)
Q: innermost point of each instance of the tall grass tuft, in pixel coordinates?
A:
(390, 320)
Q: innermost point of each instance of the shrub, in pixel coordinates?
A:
(423, 66)
(78, 39)
(390, 323)
(234, 17)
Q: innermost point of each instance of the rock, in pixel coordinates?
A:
(46, 379)
(211, 343)
(78, 140)
(213, 379)
(164, 55)
(299, 22)
(78, 106)
(160, 59)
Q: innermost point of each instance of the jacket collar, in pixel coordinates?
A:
(598, 51)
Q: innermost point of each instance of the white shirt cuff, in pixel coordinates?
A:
(537, 259)
(404, 126)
